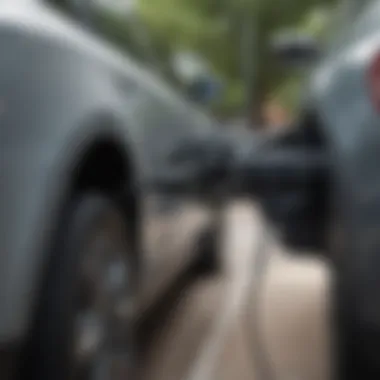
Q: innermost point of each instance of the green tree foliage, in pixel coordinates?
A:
(120, 33)
(316, 22)
(213, 28)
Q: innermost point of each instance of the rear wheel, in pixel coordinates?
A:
(357, 342)
(83, 329)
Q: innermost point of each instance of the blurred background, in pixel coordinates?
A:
(217, 52)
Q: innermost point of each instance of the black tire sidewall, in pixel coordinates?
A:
(50, 347)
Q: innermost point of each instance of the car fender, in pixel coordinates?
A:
(55, 101)
(340, 95)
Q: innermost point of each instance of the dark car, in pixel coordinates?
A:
(340, 115)
(88, 240)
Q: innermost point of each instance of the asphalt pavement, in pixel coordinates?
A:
(209, 330)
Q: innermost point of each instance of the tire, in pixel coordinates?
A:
(348, 349)
(357, 341)
(88, 294)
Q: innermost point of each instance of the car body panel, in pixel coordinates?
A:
(61, 89)
(339, 94)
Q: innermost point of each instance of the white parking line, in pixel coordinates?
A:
(240, 247)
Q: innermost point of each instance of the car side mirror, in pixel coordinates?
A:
(296, 50)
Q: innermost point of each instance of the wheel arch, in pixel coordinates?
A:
(68, 172)
(106, 165)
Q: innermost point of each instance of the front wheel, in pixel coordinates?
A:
(83, 329)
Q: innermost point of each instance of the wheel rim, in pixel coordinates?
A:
(102, 348)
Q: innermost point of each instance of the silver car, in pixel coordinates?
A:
(89, 240)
